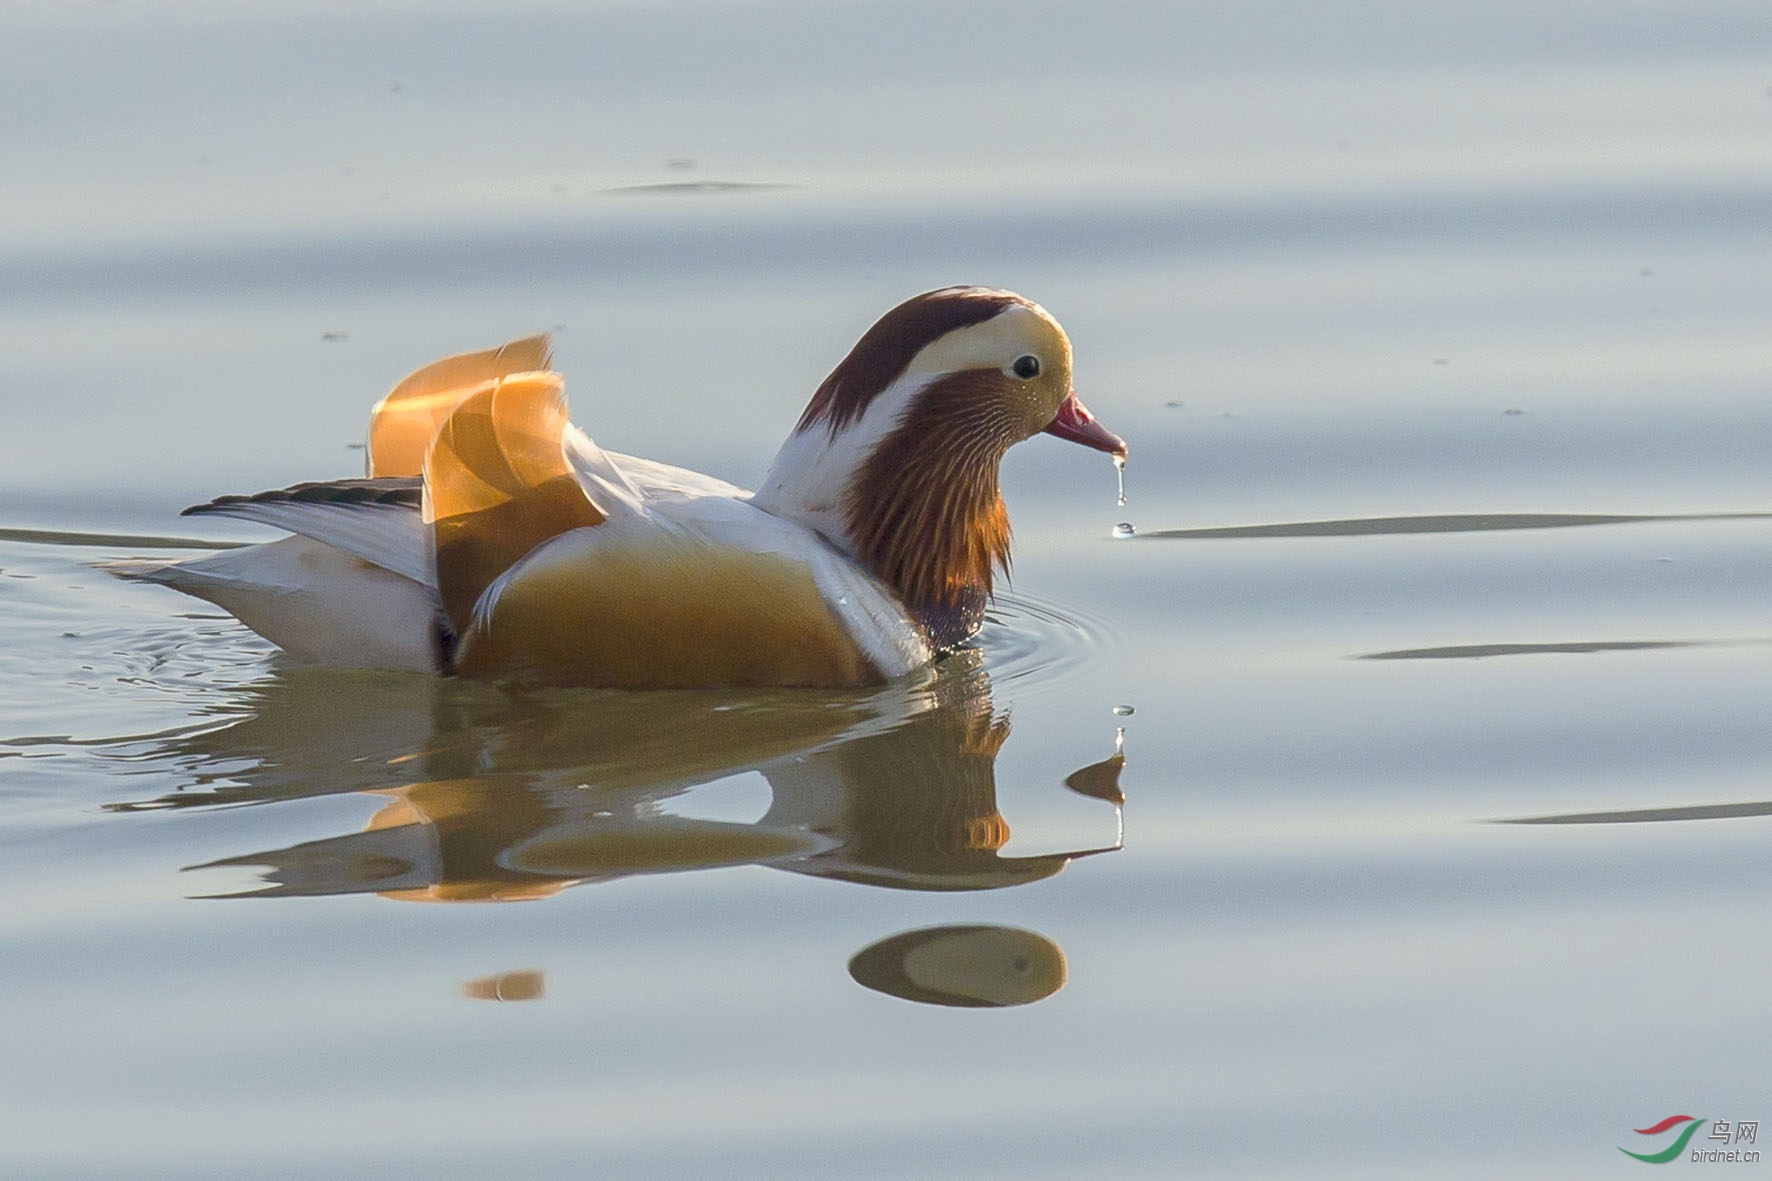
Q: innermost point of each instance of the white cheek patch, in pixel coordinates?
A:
(810, 478)
(994, 344)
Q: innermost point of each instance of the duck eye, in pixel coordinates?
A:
(1027, 366)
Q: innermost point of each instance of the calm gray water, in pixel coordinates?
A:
(1440, 335)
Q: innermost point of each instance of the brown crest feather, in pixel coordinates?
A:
(886, 349)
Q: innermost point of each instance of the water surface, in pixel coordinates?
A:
(1439, 336)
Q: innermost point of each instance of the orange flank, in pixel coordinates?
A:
(403, 424)
(664, 613)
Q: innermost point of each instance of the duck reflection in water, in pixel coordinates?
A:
(500, 794)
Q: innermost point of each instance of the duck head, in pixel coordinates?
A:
(895, 459)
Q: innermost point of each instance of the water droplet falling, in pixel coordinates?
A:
(1123, 711)
(1123, 530)
(1120, 475)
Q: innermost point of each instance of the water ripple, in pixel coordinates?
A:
(1573, 647)
(1649, 815)
(1036, 643)
(111, 540)
(1444, 523)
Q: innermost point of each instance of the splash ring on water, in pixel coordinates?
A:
(1038, 644)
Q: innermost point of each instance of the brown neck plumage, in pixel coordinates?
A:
(924, 512)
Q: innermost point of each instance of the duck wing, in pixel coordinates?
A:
(497, 484)
(377, 520)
